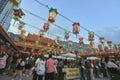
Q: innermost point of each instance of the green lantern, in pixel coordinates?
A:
(52, 15)
(67, 35)
(91, 36)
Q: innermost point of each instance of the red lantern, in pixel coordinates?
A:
(46, 26)
(81, 39)
(52, 15)
(76, 28)
(18, 12)
(91, 36)
(109, 43)
(70, 43)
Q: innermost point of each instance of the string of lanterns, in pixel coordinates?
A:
(67, 18)
(47, 24)
(75, 29)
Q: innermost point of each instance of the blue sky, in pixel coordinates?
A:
(100, 16)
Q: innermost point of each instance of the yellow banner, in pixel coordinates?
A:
(72, 73)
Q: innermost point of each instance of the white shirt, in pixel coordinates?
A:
(37, 61)
(111, 65)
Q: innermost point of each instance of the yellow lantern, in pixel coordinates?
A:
(12, 2)
(102, 41)
(22, 35)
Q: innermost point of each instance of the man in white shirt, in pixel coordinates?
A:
(113, 68)
(111, 64)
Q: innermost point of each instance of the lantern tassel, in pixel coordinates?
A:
(14, 22)
(10, 6)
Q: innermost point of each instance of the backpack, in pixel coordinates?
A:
(40, 69)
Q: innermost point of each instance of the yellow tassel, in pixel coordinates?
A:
(10, 6)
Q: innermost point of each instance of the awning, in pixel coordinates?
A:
(4, 36)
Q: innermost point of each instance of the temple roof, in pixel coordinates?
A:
(34, 37)
(4, 36)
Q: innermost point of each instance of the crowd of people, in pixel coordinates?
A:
(18, 65)
(92, 69)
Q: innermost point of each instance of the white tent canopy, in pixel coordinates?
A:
(70, 55)
(93, 58)
(60, 57)
(47, 55)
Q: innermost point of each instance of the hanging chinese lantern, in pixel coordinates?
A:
(14, 2)
(57, 39)
(81, 42)
(15, 19)
(91, 36)
(22, 35)
(102, 41)
(46, 26)
(52, 15)
(42, 32)
(70, 43)
(18, 13)
(21, 25)
(67, 35)
(109, 43)
(76, 28)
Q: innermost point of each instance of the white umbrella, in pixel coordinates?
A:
(60, 57)
(68, 55)
(46, 55)
(93, 58)
(70, 58)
